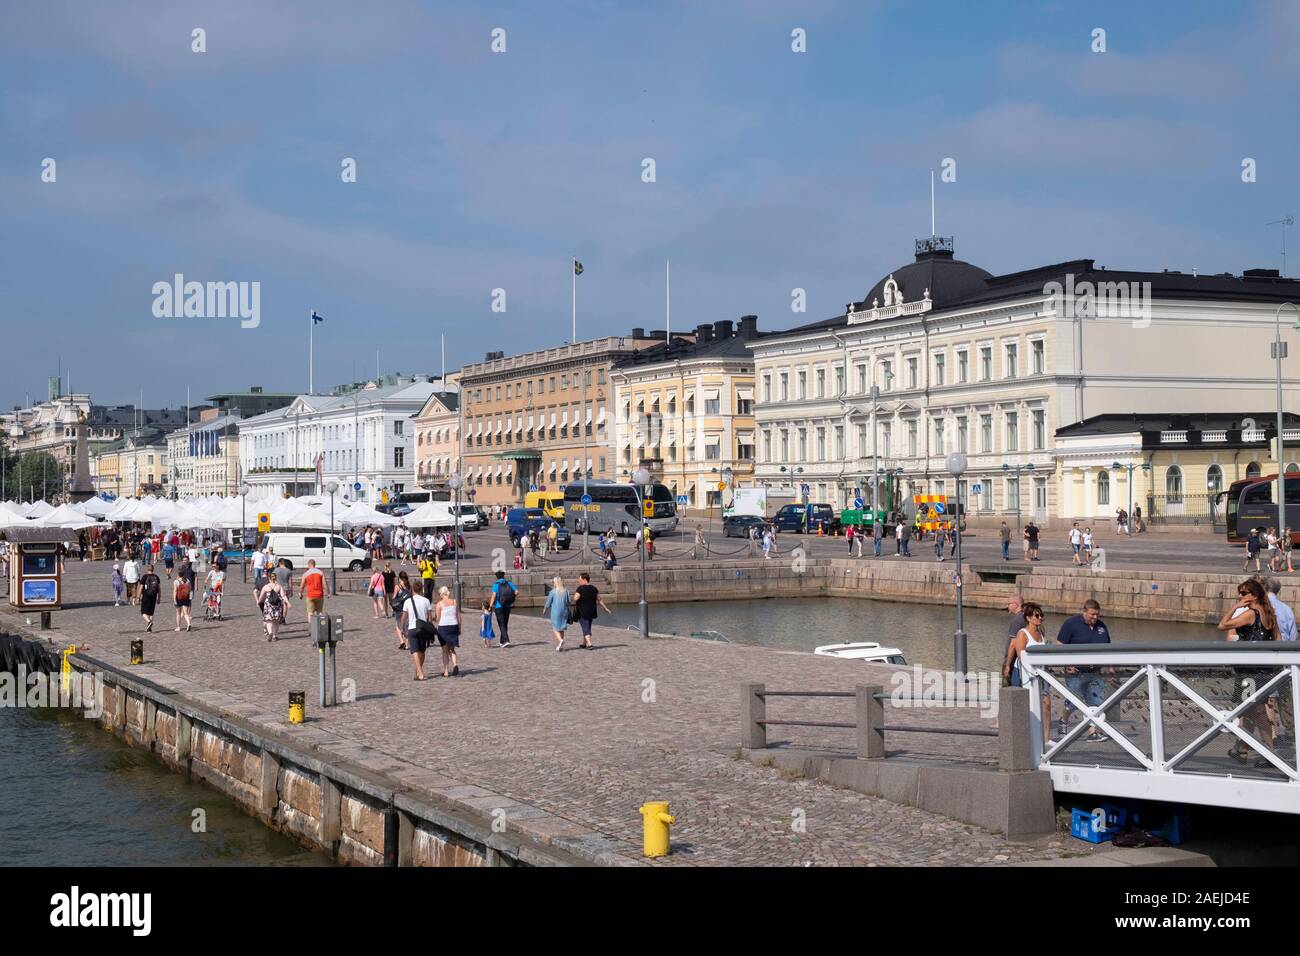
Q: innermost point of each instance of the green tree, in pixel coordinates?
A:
(36, 473)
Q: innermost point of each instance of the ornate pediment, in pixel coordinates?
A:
(894, 305)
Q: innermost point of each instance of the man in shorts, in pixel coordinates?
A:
(312, 588)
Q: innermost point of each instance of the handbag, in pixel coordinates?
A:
(573, 612)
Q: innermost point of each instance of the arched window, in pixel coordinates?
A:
(1252, 470)
(1103, 488)
(1214, 479)
(1174, 485)
(1292, 468)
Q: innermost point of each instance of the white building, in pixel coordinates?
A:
(941, 356)
(204, 458)
(364, 437)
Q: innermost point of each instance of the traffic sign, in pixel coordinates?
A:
(264, 522)
(586, 499)
(939, 507)
(383, 497)
(357, 486)
(648, 508)
(683, 499)
(532, 487)
(803, 489)
(858, 503)
(722, 486)
(977, 489)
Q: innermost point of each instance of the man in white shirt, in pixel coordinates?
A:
(417, 608)
(1076, 542)
(131, 576)
(259, 570)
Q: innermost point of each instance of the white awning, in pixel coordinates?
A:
(711, 394)
(498, 431)
(500, 469)
(552, 419)
(588, 416)
(713, 440)
(639, 440)
(519, 423)
(745, 394)
(588, 464)
(553, 466)
(600, 417)
(745, 438)
(564, 419)
(530, 422)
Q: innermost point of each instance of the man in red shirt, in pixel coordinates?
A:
(312, 587)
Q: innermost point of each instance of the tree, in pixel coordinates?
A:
(35, 474)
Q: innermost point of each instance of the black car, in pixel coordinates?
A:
(737, 526)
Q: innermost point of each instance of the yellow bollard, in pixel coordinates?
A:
(297, 706)
(65, 672)
(655, 823)
(137, 651)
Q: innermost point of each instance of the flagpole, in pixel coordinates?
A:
(311, 352)
(668, 302)
(573, 269)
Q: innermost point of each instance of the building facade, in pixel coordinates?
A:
(685, 411)
(942, 356)
(204, 458)
(437, 440)
(133, 465)
(541, 419)
(357, 436)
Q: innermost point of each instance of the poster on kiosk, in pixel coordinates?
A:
(34, 576)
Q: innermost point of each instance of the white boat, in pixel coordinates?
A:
(863, 651)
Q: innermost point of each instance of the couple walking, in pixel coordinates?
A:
(576, 608)
(426, 625)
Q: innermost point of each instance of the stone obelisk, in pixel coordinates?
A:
(82, 487)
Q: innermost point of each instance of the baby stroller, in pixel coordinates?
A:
(212, 604)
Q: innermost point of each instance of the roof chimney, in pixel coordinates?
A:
(703, 333)
(638, 332)
(722, 329)
(748, 326)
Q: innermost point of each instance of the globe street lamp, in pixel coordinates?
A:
(640, 480)
(332, 487)
(243, 528)
(454, 483)
(956, 465)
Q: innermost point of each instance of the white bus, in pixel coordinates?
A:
(616, 505)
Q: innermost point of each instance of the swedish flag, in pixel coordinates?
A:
(577, 267)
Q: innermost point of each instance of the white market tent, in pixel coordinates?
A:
(361, 514)
(431, 514)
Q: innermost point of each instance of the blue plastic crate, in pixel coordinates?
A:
(1083, 825)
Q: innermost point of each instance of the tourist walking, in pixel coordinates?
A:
(150, 588)
(1270, 542)
(378, 596)
(1029, 636)
(898, 538)
(1287, 545)
(1086, 683)
(485, 624)
(503, 601)
(1087, 546)
(400, 594)
(938, 543)
(1016, 608)
(1004, 535)
(273, 602)
(698, 550)
(417, 623)
(588, 599)
(1121, 521)
(1138, 526)
(858, 537)
(767, 543)
(1076, 542)
(214, 583)
(877, 534)
(557, 605)
(848, 536)
(428, 568)
(907, 539)
(1031, 536)
(312, 587)
(553, 537)
(183, 599)
(446, 617)
(283, 575)
(1251, 619)
(169, 559)
(131, 577)
(1253, 545)
(1286, 631)
(119, 585)
(259, 569)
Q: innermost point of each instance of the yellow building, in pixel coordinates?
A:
(135, 464)
(685, 411)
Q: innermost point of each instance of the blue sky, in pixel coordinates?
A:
(477, 171)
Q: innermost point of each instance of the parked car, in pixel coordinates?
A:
(297, 547)
(737, 526)
(791, 518)
(482, 516)
(469, 517)
(520, 521)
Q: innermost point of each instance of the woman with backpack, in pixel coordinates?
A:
(183, 598)
(272, 600)
(150, 586)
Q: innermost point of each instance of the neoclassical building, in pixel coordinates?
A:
(942, 356)
(437, 440)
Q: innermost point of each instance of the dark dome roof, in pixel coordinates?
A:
(949, 280)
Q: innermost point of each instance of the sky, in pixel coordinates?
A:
(477, 170)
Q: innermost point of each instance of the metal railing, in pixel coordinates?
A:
(869, 725)
(1195, 723)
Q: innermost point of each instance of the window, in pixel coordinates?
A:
(767, 388)
(1011, 490)
(963, 366)
(986, 362)
(803, 444)
(911, 372)
(1174, 485)
(986, 495)
(886, 434)
(601, 378)
(939, 362)
(803, 384)
(938, 436)
(712, 450)
(552, 383)
(1252, 470)
(712, 406)
(862, 441)
(961, 433)
(887, 375)
(564, 380)
(862, 379)
(839, 380)
(744, 406)
(839, 441)
(1214, 479)
(767, 446)
(911, 438)
(1103, 489)
(1038, 357)
(821, 383)
(744, 450)
(1013, 431)
(785, 445)
(986, 434)
(1040, 496)
(1012, 358)
(1040, 429)
(785, 386)
(821, 444)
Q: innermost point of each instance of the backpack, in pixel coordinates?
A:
(182, 590)
(506, 595)
(273, 599)
(151, 585)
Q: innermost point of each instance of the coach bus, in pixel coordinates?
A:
(1248, 503)
(615, 505)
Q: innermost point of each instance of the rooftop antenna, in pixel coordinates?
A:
(668, 303)
(932, 232)
(1283, 222)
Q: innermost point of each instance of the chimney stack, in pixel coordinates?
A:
(638, 333)
(722, 329)
(703, 333)
(748, 326)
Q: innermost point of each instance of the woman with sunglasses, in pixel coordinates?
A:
(1251, 619)
(1029, 635)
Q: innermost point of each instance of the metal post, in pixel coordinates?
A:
(960, 637)
(1279, 349)
(334, 581)
(456, 547)
(1019, 532)
(243, 535)
(321, 654)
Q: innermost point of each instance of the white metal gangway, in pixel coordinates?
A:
(1203, 723)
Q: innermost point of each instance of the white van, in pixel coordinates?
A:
(298, 546)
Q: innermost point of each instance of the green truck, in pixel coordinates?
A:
(860, 517)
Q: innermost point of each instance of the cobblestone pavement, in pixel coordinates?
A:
(585, 735)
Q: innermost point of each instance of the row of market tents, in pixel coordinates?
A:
(215, 513)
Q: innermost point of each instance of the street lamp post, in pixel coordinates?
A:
(454, 483)
(243, 528)
(332, 487)
(1279, 352)
(640, 479)
(1115, 467)
(956, 464)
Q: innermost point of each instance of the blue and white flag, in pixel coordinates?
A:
(316, 319)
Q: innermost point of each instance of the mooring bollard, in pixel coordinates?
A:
(65, 671)
(655, 823)
(46, 620)
(297, 706)
(137, 651)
